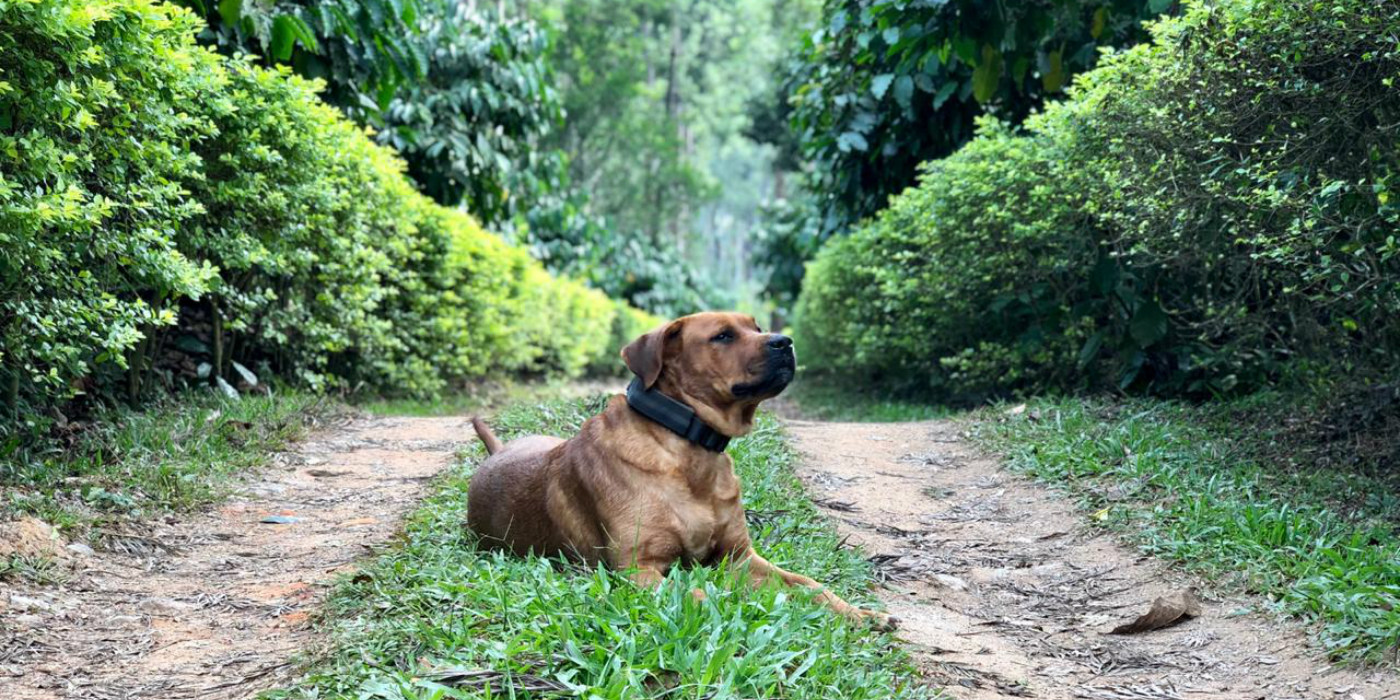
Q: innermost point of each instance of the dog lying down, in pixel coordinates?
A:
(646, 483)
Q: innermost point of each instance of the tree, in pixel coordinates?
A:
(365, 50)
(884, 85)
(471, 130)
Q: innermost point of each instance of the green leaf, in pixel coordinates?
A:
(303, 34)
(1019, 70)
(230, 11)
(1100, 21)
(1159, 6)
(1104, 276)
(283, 38)
(838, 22)
(965, 48)
(944, 93)
(1090, 351)
(904, 90)
(1131, 372)
(880, 84)
(1054, 76)
(852, 141)
(987, 76)
(1149, 323)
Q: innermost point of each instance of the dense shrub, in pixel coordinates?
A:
(922, 298)
(161, 208)
(1200, 211)
(94, 146)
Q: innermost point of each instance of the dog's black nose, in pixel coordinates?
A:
(780, 342)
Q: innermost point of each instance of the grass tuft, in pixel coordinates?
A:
(439, 618)
(177, 455)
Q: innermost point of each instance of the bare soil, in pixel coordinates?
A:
(1004, 591)
(216, 605)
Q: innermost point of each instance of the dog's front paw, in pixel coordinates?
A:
(881, 622)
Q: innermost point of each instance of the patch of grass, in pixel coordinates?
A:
(40, 570)
(821, 398)
(176, 455)
(1189, 487)
(438, 602)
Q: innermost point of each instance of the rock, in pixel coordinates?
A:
(27, 604)
(164, 606)
(952, 583)
(80, 548)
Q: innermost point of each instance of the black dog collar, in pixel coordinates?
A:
(674, 416)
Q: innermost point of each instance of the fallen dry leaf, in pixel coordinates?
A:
(1166, 611)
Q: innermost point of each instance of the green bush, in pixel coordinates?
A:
(94, 145)
(162, 208)
(920, 298)
(628, 323)
(1200, 211)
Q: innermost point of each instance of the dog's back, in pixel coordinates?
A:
(506, 502)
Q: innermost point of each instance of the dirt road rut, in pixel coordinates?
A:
(1004, 591)
(215, 606)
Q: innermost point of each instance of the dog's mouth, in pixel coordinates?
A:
(781, 368)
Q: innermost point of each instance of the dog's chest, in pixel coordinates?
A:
(697, 526)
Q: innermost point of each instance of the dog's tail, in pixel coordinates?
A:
(483, 431)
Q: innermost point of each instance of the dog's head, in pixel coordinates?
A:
(721, 364)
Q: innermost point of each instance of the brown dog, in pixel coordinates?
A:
(634, 493)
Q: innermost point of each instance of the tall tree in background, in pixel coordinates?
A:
(471, 129)
(655, 95)
(365, 50)
(880, 86)
(884, 85)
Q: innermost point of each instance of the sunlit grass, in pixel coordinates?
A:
(439, 602)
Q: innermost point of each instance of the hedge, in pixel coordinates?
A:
(1204, 214)
(163, 208)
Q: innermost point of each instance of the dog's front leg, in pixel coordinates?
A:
(647, 577)
(761, 570)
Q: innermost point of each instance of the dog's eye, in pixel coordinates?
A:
(722, 337)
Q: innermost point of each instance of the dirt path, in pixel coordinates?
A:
(215, 606)
(1003, 591)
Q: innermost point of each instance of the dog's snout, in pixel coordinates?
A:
(780, 342)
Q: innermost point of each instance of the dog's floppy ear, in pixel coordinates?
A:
(645, 355)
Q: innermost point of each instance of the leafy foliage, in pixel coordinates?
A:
(884, 85)
(94, 134)
(960, 287)
(1187, 222)
(166, 208)
(788, 235)
(470, 130)
(650, 274)
(364, 49)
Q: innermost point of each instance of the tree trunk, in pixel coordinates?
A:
(136, 358)
(217, 320)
